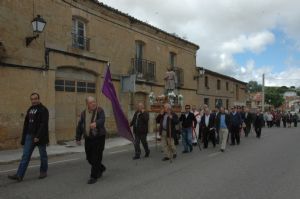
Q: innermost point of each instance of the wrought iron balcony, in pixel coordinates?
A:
(144, 69)
(78, 41)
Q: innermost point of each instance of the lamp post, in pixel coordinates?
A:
(38, 25)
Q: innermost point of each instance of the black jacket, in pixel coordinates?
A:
(235, 120)
(259, 121)
(36, 124)
(211, 122)
(187, 122)
(248, 119)
(100, 129)
(218, 120)
(171, 124)
(142, 123)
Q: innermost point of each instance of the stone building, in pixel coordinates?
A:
(217, 90)
(65, 62)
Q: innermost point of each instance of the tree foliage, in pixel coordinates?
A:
(254, 87)
(274, 96)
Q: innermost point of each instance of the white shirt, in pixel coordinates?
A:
(206, 119)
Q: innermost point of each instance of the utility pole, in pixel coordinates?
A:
(263, 94)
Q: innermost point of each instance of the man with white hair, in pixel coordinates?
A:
(208, 128)
(168, 120)
(140, 129)
(91, 127)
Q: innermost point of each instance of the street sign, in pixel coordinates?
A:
(128, 83)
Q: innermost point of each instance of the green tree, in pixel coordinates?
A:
(254, 87)
(274, 96)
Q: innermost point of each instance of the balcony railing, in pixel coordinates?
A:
(78, 41)
(144, 69)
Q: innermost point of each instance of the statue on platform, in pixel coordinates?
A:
(170, 81)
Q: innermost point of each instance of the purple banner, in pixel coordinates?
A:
(109, 91)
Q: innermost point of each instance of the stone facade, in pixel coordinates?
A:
(57, 63)
(66, 63)
(217, 90)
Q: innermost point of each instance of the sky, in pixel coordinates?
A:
(240, 38)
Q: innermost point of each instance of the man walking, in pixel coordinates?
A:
(247, 119)
(91, 127)
(235, 125)
(258, 123)
(222, 125)
(168, 120)
(208, 128)
(35, 133)
(140, 129)
(196, 125)
(187, 120)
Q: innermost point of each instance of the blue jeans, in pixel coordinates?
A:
(187, 139)
(27, 152)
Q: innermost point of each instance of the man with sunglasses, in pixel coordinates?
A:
(35, 133)
(187, 120)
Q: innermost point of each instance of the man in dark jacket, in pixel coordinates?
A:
(91, 127)
(140, 129)
(258, 123)
(222, 125)
(35, 133)
(247, 120)
(187, 119)
(235, 126)
(168, 120)
(207, 124)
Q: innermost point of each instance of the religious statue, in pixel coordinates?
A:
(171, 81)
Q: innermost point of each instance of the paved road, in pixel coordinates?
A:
(259, 168)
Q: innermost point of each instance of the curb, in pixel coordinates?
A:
(57, 154)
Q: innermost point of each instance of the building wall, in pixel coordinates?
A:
(235, 94)
(24, 70)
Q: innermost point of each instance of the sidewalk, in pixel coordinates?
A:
(9, 156)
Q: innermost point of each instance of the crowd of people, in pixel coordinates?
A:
(274, 118)
(195, 127)
(203, 126)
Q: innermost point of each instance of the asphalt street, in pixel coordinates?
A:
(258, 168)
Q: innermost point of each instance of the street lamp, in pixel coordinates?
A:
(38, 25)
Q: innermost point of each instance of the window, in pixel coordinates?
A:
(227, 104)
(69, 86)
(206, 101)
(218, 84)
(151, 70)
(59, 85)
(81, 87)
(91, 87)
(180, 76)
(227, 86)
(172, 59)
(237, 92)
(79, 39)
(206, 82)
(218, 103)
(139, 48)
